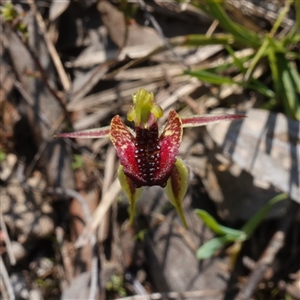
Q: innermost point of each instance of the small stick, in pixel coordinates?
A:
(74, 194)
(160, 32)
(29, 100)
(10, 253)
(100, 211)
(94, 271)
(94, 263)
(52, 51)
(175, 295)
(67, 266)
(276, 243)
(108, 179)
(6, 281)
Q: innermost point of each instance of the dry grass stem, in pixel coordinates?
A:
(108, 179)
(175, 295)
(107, 200)
(65, 81)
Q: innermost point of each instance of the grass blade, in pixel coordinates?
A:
(252, 224)
(202, 40)
(231, 234)
(206, 76)
(240, 33)
(209, 77)
(209, 248)
(290, 82)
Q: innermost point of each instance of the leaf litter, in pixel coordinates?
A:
(76, 69)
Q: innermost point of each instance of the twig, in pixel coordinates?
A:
(10, 252)
(52, 51)
(175, 295)
(43, 146)
(212, 28)
(94, 263)
(73, 194)
(138, 288)
(20, 173)
(28, 99)
(6, 281)
(292, 290)
(40, 68)
(93, 77)
(94, 271)
(276, 243)
(160, 32)
(101, 210)
(67, 267)
(3, 291)
(108, 178)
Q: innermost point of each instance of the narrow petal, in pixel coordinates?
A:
(94, 133)
(123, 141)
(133, 194)
(201, 120)
(177, 186)
(169, 142)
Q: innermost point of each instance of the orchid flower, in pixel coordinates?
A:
(148, 156)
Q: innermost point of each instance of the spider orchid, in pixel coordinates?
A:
(148, 156)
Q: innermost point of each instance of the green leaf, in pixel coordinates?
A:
(229, 66)
(240, 33)
(274, 70)
(209, 248)
(231, 234)
(78, 162)
(259, 54)
(253, 223)
(209, 221)
(141, 235)
(202, 40)
(237, 61)
(289, 82)
(297, 8)
(293, 55)
(296, 77)
(293, 32)
(260, 87)
(210, 77)
(280, 17)
(8, 12)
(2, 155)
